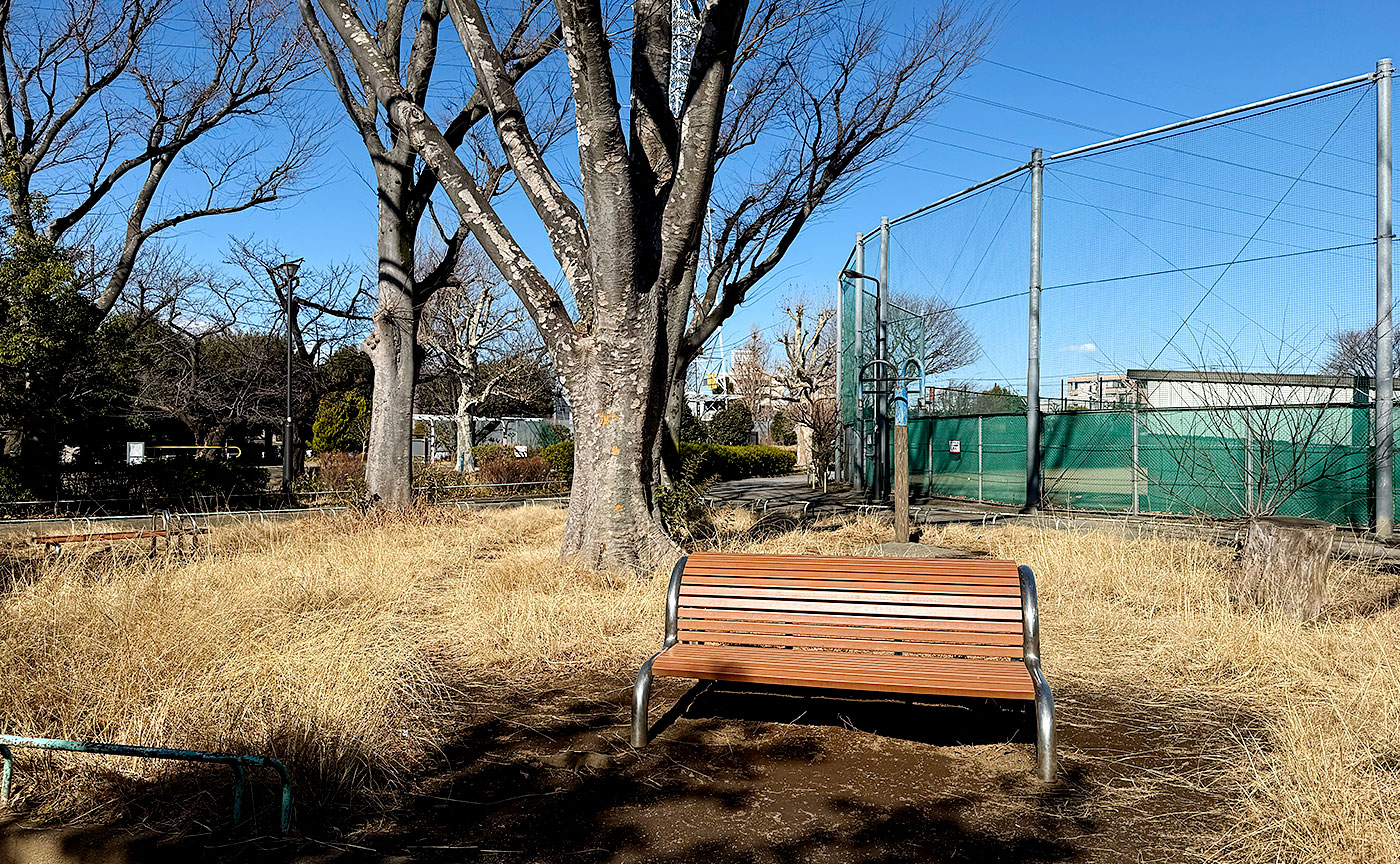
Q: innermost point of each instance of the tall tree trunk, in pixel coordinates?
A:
(466, 431)
(670, 465)
(392, 349)
(614, 520)
(214, 436)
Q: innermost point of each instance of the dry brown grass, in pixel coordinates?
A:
(338, 643)
(1150, 616)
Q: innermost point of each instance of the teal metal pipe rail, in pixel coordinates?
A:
(236, 762)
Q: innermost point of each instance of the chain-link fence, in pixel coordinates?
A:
(1309, 461)
(1242, 245)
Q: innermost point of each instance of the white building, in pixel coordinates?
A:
(1156, 388)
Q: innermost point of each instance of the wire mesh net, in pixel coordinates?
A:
(1243, 245)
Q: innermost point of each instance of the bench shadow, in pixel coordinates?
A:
(943, 721)
(741, 774)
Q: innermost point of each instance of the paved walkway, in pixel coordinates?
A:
(791, 495)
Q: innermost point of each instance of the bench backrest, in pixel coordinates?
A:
(936, 606)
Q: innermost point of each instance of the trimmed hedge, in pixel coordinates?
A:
(182, 481)
(724, 462)
(560, 457)
(483, 453)
(710, 461)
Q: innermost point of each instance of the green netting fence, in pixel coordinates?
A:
(1309, 461)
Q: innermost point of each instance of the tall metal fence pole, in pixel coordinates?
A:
(843, 440)
(1385, 392)
(857, 450)
(1136, 462)
(882, 401)
(979, 459)
(1033, 364)
(1248, 462)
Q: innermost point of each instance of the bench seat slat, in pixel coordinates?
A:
(916, 675)
(833, 607)
(884, 664)
(999, 587)
(700, 627)
(889, 648)
(858, 569)
(931, 624)
(700, 593)
(702, 560)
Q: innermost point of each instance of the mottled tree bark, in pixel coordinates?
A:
(391, 347)
(629, 246)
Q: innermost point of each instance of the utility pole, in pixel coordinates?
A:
(1033, 364)
(901, 468)
(1385, 336)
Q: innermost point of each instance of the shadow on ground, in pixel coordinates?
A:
(773, 775)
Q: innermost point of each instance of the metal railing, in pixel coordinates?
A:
(237, 762)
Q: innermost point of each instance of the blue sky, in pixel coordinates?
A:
(1184, 58)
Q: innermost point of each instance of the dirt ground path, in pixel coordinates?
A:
(751, 775)
(761, 775)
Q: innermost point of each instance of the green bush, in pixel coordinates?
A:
(484, 453)
(781, 429)
(552, 434)
(560, 457)
(682, 503)
(12, 486)
(732, 426)
(720, 462)
(341, 423)
(691, 428)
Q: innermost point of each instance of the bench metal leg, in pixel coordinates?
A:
(1044, 730)
(641, 694)
(1044, 701)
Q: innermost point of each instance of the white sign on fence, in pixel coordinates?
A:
(954, 446)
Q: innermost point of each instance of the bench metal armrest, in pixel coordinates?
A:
(1044, 699)
(641, 691)
(673, 602)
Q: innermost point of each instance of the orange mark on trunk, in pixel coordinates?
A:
(606, 417)
(615, 451)
(617, 508)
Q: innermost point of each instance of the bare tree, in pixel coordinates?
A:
(485, 341)
(807, 378)
(329, 307)
(629, 248)
(111, 135)
(199, 364)
(1353, 352)
(405, 189)
(936, 335)
(823, 417)
(1255, 444)
(750, 376)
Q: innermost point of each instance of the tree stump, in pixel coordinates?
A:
(1284, 566)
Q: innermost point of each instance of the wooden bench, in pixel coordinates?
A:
(942, 627)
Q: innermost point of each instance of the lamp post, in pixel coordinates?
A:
(289, 276)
